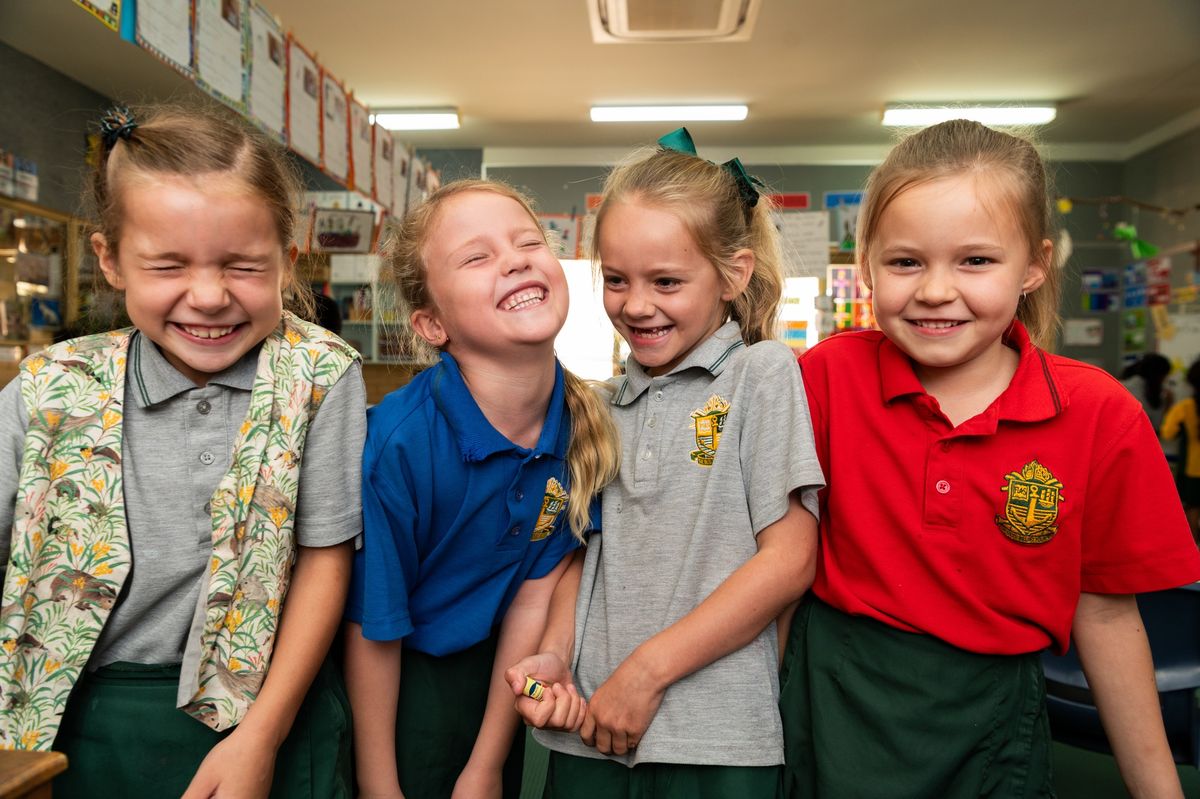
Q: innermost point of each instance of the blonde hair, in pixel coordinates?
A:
(707, 199)
(594, 452)
(195, 140)
(961, 147)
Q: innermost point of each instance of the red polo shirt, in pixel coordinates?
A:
(985, 534)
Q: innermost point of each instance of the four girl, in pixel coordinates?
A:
(994, 516)
(177, 565)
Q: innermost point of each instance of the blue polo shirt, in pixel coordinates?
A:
(455, 516)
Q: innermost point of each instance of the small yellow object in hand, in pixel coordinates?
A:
(534, 689)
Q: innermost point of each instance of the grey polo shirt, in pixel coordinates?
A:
(178, 444)
(678, 520)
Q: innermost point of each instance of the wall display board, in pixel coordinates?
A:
(335, 128)
(107, 11)
(362, 148)
(164, 27)
(562, 231)
(266, 63)
(303, 102)
(385, 147)
(843, 207)
(805, 241)
(219, 48)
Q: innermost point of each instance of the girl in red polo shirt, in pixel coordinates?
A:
(986, 500)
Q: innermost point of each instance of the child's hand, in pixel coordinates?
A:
(621, 710)
(239, 767)
(478, 783)
(561, 707)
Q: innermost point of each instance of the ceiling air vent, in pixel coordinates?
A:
(631, 21)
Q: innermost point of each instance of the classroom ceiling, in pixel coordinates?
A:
(815, 74)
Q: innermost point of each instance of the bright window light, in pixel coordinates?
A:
(417, 118)
(919, 116)
(669, 113)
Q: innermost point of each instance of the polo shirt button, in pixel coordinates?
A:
(946, 445)
(207, 458)
(516, 530)
(646, 455)
(943, 487)
(207, 507)
(520, 495)
(658, 396)
(204, 406)
(653, 421)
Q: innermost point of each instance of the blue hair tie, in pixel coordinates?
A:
(117, 123)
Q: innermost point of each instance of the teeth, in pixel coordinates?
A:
(523, 299)
(936, 324)
(208, 332)
(651, 332)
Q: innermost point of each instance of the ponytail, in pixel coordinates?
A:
(594, 453)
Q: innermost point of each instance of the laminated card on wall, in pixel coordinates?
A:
(164, 27)
(219, 44)
(335, 128)
(266, 64)
(303, 102)
(361, 148)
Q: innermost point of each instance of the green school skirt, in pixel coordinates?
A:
(442, 700)
(123, 736)
(571, 777)
(871, 711)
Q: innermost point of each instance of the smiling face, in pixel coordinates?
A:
(201, 266)
(948, 264)
(494, 284)
(662, 295)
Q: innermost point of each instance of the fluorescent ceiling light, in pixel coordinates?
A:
(417, 118)
(668, 113)
(918, 116)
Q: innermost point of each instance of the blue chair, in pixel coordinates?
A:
(1172, 620)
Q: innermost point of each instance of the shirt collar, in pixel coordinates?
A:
(712, 355)
(1034, 394)
(477, 438)
(155, 380)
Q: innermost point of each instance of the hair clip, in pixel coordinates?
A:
(680, 141)
(117, 123)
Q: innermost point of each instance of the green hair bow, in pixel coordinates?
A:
(680, 141)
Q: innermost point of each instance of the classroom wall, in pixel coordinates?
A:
(44, 116)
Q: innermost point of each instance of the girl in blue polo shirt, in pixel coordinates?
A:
(472, 475)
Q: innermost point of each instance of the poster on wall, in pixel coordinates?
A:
(361, 147)
(843, 207)
(343, 230)
(1099, 290)
(266, 64)
(335, 128)
(562, 232)
(220, 50)
(1083, 332)
(401, 178)
(805, 237)
(164, 27)
(303, 102)
(384, 149)
(107, 11)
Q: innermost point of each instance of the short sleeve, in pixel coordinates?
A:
(386, 565)
(329, 503)
(777, 450)
(13, 422)
(1135, 535)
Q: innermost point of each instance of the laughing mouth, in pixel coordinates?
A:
(523, 298)
(651, 332)
(208, 332)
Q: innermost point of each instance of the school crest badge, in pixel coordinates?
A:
(1031, 510)
(709, 421)
(554, 501)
